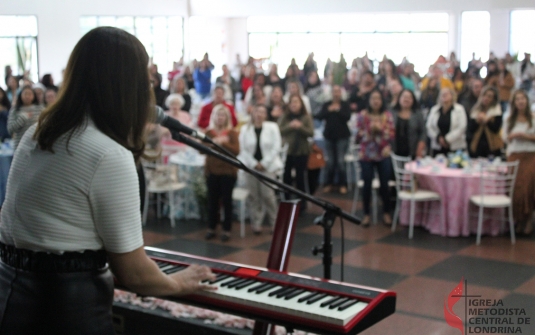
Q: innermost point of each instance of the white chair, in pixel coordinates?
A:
(376, 185)
(407, 190)
(240, 195)
(161, 179)
(496, 188)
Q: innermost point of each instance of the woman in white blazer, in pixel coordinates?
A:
(260, 145)
(446, 124)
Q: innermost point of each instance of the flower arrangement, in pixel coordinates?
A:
(458, 160)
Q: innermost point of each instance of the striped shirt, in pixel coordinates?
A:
(83, 198)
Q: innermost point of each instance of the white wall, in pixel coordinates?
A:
(220, 26)
(244, 8)
(59, 25)
(238, 41)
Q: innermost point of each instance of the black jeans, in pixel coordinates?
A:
(384, 169)
(36, 302)
(336, 151)
(299, 163)
(220, 189)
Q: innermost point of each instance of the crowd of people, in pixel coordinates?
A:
(391, 109)
(484, 110)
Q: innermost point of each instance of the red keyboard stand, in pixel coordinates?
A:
(280, 250)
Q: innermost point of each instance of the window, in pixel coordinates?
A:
(521, 33)
(420, 37)
(18, 42)
(475, 37)
(162, 36)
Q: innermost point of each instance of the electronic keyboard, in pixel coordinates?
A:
(287, 299)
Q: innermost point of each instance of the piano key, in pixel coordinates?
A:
(282, 289)
(316, 298)
(294, 294)
(328, 302)
(174, 269)
(259, 286)
(347, 304)
(308, 296)
(265, 288)
(286, 292)
(338, 303)
(167, 267)
(245, 284)
(233, 280)
(219, 279)
(237, 283)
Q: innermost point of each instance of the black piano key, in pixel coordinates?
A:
(294, 294)
(167, 267)
(347, 304)
(330, 301)
(219, 279)
(308, 296)
(237, 283)
(217, 276)
(316, 298)
(245, 284)
(256, 287)
(174, 269)
(338, 303)
(286, 292)
(280, 290)
(227, 283)
(265, 288)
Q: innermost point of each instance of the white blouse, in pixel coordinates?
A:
(84, 197)
(517, 144)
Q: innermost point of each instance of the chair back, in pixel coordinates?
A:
(498, 179)
(404, 178)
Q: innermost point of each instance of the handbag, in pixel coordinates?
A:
(316, 159)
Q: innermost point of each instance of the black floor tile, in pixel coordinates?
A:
(423, 239)
(303, 244)
(526, 302)
(198, 248)
(163, 226)
(481, 272)
(359, 276)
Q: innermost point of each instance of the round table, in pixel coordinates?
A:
(455, 187)
(190, 171)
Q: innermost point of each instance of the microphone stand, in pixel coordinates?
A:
(326, 220)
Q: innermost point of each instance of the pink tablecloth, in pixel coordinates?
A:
(455, 187)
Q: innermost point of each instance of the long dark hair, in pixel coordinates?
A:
(383, 104)
(47, 80)
(4, 101)
(302, 111)
(484, 91)
(415, 105)
(106, 79)
(19, 97)
(513, 115)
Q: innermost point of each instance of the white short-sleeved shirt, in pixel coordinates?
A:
(519, 145)
(83, 198)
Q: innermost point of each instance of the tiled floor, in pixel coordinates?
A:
(422, 271)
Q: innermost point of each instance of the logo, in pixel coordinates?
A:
(451, 318)
(484, 316)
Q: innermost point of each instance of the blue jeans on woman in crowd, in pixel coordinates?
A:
(384, 169)
(336, 151)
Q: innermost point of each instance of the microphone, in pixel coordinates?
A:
(175, 125)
